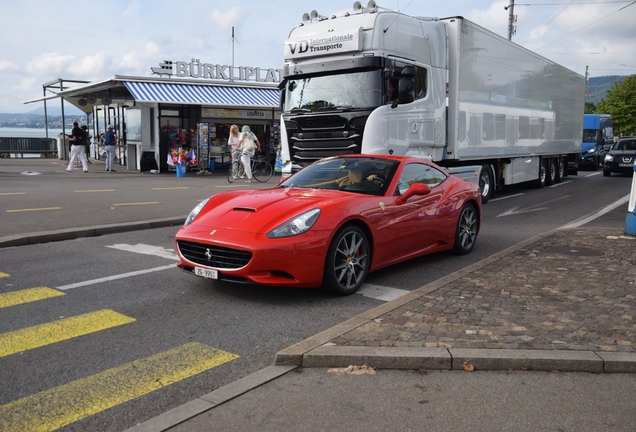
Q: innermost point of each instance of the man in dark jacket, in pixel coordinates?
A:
(77, 140)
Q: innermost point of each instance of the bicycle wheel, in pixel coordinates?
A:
(262, 171)
(232, 173)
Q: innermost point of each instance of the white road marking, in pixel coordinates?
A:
(593, 174)
(381, 292)
(145, 249)
(585, 219)
(506, 197)
(561, 184)
(114, 277)
(536, 207)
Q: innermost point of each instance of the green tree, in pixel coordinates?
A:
(590, 108)
(620, 103)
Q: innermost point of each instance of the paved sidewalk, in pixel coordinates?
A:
(561, 301)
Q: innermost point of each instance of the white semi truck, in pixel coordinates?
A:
(375, 81)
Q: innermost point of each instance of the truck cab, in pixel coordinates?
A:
(598, 137)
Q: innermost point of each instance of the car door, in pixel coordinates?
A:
(419, 223)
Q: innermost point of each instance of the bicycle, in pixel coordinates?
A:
(262, 170)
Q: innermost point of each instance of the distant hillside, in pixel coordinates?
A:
(597, 87)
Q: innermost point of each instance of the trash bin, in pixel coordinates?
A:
(147, 162)
(62, 147)
(212, 163)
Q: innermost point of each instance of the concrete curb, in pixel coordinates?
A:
(91, 231)
(412, 358)
(317, 351)
(206, 402)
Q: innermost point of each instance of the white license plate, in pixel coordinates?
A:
(622, 165)
(206, 273)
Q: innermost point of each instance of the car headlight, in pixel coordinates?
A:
(592, 150)
(297, 225)
(195, 211)
(609, 158)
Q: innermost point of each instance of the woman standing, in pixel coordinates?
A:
(234, 140)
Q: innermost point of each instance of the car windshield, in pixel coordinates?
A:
(352, 174)
(589, 135)
(334, 92)
(625, 144)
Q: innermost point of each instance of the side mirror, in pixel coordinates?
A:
(419, 189)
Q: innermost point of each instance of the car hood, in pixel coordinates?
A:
(259, 211)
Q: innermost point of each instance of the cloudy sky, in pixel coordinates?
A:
(89, 40)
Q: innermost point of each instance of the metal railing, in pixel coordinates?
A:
(22, 146)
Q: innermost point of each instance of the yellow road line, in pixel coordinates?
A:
(56, 331)
(133, 204)
(13, 193)
(27, 295)
(172, 188)
(34, 209)
(96, 190)
(3, 275)
(69, 403)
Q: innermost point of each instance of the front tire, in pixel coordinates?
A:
(348, 261)
(466, 231)
(233, 172)
(486, 183)
(551, 174)
(606, 172)
(263, 171)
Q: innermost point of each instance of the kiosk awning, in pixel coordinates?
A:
(200, 94)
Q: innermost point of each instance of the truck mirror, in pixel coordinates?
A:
(281, 101)
(406, 93)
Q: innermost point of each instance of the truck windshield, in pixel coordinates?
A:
(589, 135)
(334, 92)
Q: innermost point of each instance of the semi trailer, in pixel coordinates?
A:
(376, 81)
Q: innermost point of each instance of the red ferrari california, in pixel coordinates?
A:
(331, 223)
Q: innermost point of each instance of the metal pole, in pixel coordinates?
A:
(511, 18)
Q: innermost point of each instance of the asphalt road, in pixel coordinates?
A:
(165, 309)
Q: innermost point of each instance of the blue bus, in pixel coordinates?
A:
(598, 137)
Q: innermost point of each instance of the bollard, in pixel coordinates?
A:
(630, 220)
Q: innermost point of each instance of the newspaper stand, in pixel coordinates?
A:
(203, 149)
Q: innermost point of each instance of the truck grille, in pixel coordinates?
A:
(214, 256)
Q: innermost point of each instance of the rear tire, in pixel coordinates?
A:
(543, 174)
(551, 174)
(347, 262)
(466, 231)
(560, 170)
(486, 183)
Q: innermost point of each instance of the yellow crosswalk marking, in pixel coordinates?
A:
(3, 275)
(66, 404)
(34, 209)
(56, 331)
(14, 298)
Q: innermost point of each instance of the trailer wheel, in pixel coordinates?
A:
(543, 174)
(560, 170)
(486, 183)
(551, 174)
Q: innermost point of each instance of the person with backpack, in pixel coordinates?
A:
(78, 149)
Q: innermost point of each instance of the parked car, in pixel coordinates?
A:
(621, 157)
(331, 223)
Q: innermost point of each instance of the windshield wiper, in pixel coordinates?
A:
(335, 108)
(298, 110)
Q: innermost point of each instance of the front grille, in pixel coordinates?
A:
(322, 122)
(214, 256)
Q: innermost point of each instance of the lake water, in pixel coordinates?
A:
(30, 133)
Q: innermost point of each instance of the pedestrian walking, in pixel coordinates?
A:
(110, 140)
(88, 144)
(77, 140)
(249, 144)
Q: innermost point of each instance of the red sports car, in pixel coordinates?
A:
(331, 223)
